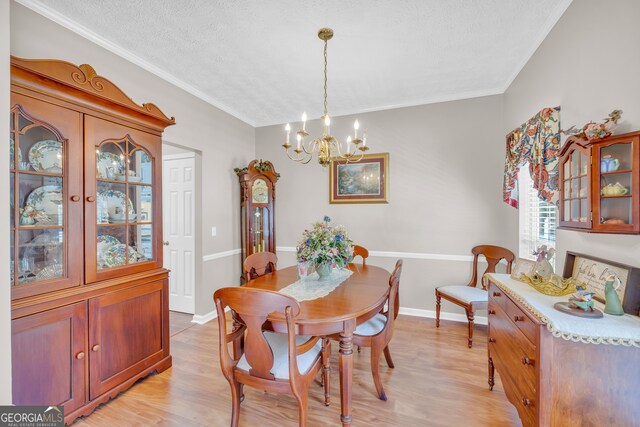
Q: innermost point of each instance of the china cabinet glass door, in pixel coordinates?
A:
(123, 210)
(617, 181)
(44, 199)
(576, 189)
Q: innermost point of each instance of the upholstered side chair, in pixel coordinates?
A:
(279, 363)
(361, 252)
(259, 264)
(377, 332)
(469, 296)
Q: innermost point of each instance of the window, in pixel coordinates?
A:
(538, 219)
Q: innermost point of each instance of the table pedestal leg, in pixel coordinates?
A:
(346, 370)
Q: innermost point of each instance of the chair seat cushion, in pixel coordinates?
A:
(372, 326)
(466, 294)
(279, 344)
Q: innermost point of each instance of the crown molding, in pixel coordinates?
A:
(90, 35)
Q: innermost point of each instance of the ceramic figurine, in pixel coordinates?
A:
(582, 299)
(543, 255)
(613, 305)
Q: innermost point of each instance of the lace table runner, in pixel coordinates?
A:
(312, 288)
(613, 330)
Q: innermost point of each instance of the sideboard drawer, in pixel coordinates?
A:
(520, 319)
(513, 349)
(496, 294)
(523, 398)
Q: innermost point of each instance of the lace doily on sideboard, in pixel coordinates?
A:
(312, 288)
(609, 330)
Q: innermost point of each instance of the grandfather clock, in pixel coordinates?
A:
(257, 208)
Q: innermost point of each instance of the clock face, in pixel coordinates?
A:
(259, 191)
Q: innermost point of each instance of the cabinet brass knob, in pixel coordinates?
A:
(492, 312)
(75, 198)
(492, 339)
(497, 294)
(517, 318)
(91, 199)
(80, 355)
(95, 348)
(526, 402)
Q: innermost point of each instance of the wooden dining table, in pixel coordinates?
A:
(354, 301)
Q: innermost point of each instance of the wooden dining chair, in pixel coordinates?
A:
(376, 333)
(259, 264)
(280, 363)
(469, 296)
(361, 252)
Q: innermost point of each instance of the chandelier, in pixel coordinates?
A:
(325, 146)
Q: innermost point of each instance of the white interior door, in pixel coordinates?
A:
(178, 188)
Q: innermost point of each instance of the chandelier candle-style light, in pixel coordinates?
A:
(326, 146)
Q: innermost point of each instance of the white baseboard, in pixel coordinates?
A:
(201, 319)
(431, 314)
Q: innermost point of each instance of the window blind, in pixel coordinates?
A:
(538, 219)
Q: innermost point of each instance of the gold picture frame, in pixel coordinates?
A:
(365, 181)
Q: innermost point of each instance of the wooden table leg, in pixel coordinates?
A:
(346, 370)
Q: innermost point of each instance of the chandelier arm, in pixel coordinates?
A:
(310, 148)
(298, 159)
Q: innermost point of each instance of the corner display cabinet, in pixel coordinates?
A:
(600, 184)
(89, 294)
(257, 208)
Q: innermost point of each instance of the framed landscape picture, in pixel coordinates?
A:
(365, 181)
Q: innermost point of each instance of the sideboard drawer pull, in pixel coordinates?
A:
(497, 294)
(492, 339)
(517, 318)
(526, 402)
(492, 312)
(527, 361)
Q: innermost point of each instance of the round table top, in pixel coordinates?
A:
(364, 291)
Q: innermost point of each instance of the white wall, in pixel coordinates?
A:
(224, 141)
(5, 291)
(445, 180)
(589, 65)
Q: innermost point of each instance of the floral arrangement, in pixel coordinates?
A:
(592, 131)
(325, 244)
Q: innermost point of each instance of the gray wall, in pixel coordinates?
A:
(224, 141)
(5, 291)
(445, 178)
(589, 65)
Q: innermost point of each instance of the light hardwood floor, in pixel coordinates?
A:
(437, 381)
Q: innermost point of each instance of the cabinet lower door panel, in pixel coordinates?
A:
(125, 334)
(48, 357)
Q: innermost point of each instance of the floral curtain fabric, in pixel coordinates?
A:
(536, 142)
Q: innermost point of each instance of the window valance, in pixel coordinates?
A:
(536, 142)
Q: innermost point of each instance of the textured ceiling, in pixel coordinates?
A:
(262, 61)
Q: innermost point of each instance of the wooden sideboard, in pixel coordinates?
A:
(89, 292)
(554, 381)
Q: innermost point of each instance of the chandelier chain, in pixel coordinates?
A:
(325, 78)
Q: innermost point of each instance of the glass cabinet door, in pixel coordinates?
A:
(44, 198)
(576, 189)
(615, 203)
(124, 230)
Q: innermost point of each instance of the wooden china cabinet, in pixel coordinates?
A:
(600, 184)
(257, 208)
(89, 294)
